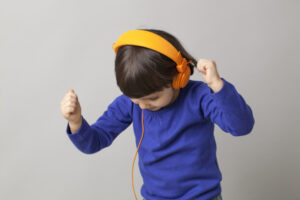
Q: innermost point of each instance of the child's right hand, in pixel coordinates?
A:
(70, 107)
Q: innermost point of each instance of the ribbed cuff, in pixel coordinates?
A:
(225, 94)
(81, 131)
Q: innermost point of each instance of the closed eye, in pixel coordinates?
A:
(153, 98)
(149, 99)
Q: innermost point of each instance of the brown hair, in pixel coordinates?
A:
(141, 71)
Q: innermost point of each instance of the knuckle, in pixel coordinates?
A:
(70, 105)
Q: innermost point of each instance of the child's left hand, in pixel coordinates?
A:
(210, 74)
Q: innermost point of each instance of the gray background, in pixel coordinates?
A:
(47, 47)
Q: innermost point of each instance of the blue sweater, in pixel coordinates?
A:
(177, 156)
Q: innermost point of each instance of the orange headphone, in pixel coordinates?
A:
(156, 42)
(153, 41)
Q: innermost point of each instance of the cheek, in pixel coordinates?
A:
(154, 103)
(164, 101)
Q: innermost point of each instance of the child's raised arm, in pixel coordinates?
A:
(92, 138)
(222, 103)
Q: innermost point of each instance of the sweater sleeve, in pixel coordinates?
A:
(92, 138)
(227, 109)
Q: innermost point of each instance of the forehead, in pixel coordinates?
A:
(152, 95)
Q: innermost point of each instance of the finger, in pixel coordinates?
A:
(208, 64)
(69, 103)
(67, 115)
(202, 62)
(70, 96)
(67, 97)
(71, 91)
(70, 110)
(202, 69)
(73, 96)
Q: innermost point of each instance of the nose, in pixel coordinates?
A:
(144, 106)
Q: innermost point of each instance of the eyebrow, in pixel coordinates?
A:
(154, 96)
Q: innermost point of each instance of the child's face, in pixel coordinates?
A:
(157, 100)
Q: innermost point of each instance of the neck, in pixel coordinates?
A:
(176, 93)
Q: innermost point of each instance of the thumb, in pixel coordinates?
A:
(71, 90)
(202, 69)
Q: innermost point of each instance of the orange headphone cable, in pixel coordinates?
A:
(136, 155)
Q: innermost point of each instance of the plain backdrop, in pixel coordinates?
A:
(50, 46)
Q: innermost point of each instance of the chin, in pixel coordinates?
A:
(153, 109)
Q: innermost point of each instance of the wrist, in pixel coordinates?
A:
(75, 125)
(216, 85)
(76, 120)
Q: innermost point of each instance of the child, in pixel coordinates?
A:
(173, 117)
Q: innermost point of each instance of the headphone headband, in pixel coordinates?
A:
(149, 40)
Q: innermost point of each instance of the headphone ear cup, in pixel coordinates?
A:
(181, 80)
(176, 81)
(184, 78)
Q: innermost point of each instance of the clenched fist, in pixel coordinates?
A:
(71, 110)
(210, 74)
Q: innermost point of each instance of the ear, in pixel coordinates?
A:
(169, 85)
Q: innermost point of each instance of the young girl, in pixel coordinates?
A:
(173, 117)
